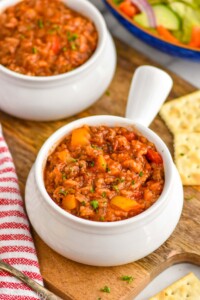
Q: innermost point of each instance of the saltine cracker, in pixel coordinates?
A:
(187, 157)
(187, 287)
(182, 114)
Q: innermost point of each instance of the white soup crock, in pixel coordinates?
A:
(107, 243)
(48, 98)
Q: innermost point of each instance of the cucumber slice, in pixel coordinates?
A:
(164, 16)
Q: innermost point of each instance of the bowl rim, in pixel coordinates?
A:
(114, 7)
(95, 15)
(58, 136)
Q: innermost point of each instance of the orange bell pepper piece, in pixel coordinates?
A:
(64, 156)
(101, 163)
(69, 202)
(80, 137)
(125, 204)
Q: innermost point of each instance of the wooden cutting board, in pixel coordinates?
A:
(71, 280)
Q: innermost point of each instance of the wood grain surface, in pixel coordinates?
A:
(71, 280)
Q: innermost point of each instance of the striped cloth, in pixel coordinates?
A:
(16, 244)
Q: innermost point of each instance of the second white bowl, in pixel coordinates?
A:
(55, 97)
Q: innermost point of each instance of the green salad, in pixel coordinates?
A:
(177, 22)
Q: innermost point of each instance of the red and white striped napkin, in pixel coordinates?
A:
(16, 244)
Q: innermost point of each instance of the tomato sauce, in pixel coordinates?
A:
(44, 38)
(104, 174)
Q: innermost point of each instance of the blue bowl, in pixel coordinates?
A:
(152, 40)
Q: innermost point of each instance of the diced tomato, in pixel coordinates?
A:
(56, 44)
(128, 8)
(130, 136)
(154, 156)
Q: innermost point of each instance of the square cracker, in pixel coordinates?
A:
(187, 157)
(182, 114)
(187, 287)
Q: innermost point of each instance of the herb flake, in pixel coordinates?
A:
(96, 147)
(64, 176)
(72, 36)
(62, 192)
(40, 24)
(128, 279)
(92, 190)
(105, 289)
(91, 163)
(73, 46)
(104, 194)
(94, 204)
(34, 50)
(115, 187)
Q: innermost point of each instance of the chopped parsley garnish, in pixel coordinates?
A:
(64, 49)
(115, 187)
(129, 279)
(92, 190)
(83, 203)
(40, 24)
(73, 46)
(141, 174)
(62, 192)
(96, 147)
(64, 176)
(74, 160)
(72, 36)
(182, 154)
(120, 179)
(56, 27)
(34, 50)
(133, 182)
(189, 198)
(104, 194)
(91, 163)
(107, 169)
(101, 218)
(105, 289)
(107, 93)
(94, 204)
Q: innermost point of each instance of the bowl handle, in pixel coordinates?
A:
(149, 88)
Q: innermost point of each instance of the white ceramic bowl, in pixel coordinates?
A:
(55, 97)
(99, 243)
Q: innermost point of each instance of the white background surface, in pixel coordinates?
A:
(190, 71)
